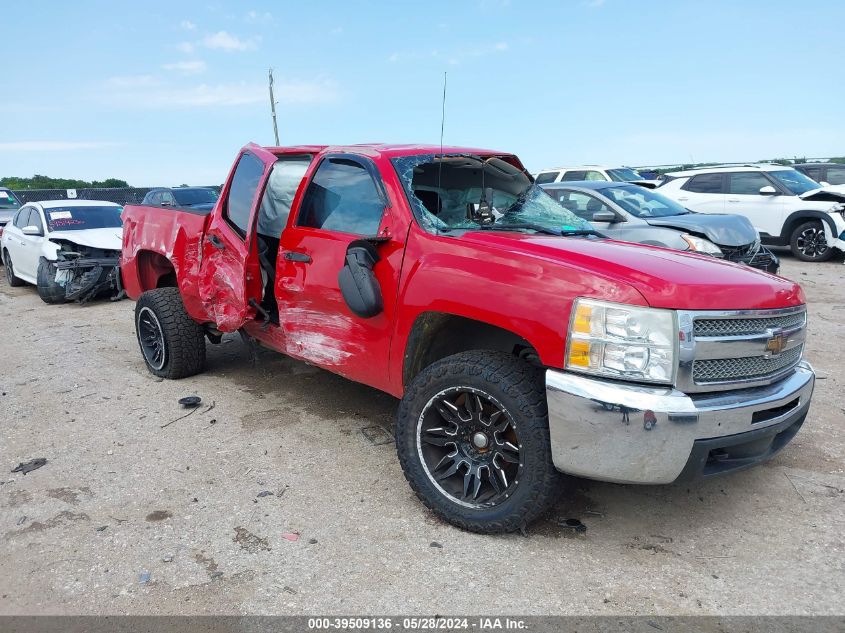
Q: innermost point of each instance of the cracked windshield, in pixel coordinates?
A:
(463, 192)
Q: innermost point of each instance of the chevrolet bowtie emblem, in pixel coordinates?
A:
(776, 344)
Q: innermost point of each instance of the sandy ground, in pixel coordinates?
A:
(130, 517)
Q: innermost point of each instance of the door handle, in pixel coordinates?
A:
(684, 199)
(293, 256)
(733, 200)
(216, 242)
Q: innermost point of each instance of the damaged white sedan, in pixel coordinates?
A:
(68, 248)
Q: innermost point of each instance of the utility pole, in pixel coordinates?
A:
(273, 109)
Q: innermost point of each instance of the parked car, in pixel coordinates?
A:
(784, 205)
(520, 343)
(627, 212)
(201, 198)
(9, 204)
(587, 172)
(826, 174)
(68, 248)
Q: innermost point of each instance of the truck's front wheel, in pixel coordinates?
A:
(172, 343)
(472, 435)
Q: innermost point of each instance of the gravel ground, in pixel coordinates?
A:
(137, 513)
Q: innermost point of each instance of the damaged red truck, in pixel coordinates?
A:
(522, 345)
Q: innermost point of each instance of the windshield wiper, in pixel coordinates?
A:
(539, 228)
(579, 232)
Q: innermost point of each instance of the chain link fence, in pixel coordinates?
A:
(122, 195)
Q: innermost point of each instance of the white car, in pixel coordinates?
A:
(784, 205)
(68, 248)
(588, 172)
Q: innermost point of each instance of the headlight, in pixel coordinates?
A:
(621, 341)
(700, 245)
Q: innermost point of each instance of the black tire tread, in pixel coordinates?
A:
(184, 337)
(14, 282)
(522, 382)
(48, 289)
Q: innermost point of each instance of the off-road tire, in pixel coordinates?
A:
(183, 338)
(10, 271)
(796, 236)
(48, 289)
(519, 387)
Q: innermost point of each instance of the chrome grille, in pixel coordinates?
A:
(720, 350)
(750, 367)
(747, 326)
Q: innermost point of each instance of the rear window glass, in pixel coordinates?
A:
(195, 196)
(82, 218)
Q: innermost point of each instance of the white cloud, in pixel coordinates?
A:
(188, 67)
(188, 25)
(336, 30)
(186, 47)
(166, 96)
(52, 146)
(223, 40)
(256, 17)
(595, 4)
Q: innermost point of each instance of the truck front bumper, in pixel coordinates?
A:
(651, 435)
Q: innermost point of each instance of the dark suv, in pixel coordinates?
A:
(201, 198)
(829, 173)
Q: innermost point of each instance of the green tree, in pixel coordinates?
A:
(46, 182)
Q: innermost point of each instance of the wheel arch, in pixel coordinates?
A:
(797, 217)
(436, 335)
(155, 271)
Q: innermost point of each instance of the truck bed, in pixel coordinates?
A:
(176, 235)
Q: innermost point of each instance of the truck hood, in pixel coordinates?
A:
(665, 278)
(724, 230)
(824, 194)
(108, 239)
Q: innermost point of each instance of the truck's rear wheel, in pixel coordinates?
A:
(10, 271)
(172, 343)
(808, 242)
(472, 436)
(48, 289)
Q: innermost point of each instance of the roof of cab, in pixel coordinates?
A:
(383, 149)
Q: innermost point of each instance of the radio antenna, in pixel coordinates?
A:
(442, 125)
(273, 108)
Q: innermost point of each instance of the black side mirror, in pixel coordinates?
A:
(604, 216)
(358, 283)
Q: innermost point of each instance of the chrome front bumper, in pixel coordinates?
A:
(651, 435)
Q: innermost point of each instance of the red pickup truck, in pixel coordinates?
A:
(522, 344)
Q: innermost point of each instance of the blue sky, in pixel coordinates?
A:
(162, 93)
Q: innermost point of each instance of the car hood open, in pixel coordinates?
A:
(724, 230)
(108, 239)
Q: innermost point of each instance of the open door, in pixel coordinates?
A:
(230, 283)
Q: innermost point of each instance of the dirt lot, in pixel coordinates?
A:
(130, 517)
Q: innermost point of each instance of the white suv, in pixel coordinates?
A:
(587, 172)
(784, 205)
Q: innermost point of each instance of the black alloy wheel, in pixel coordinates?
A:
(469, 446)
